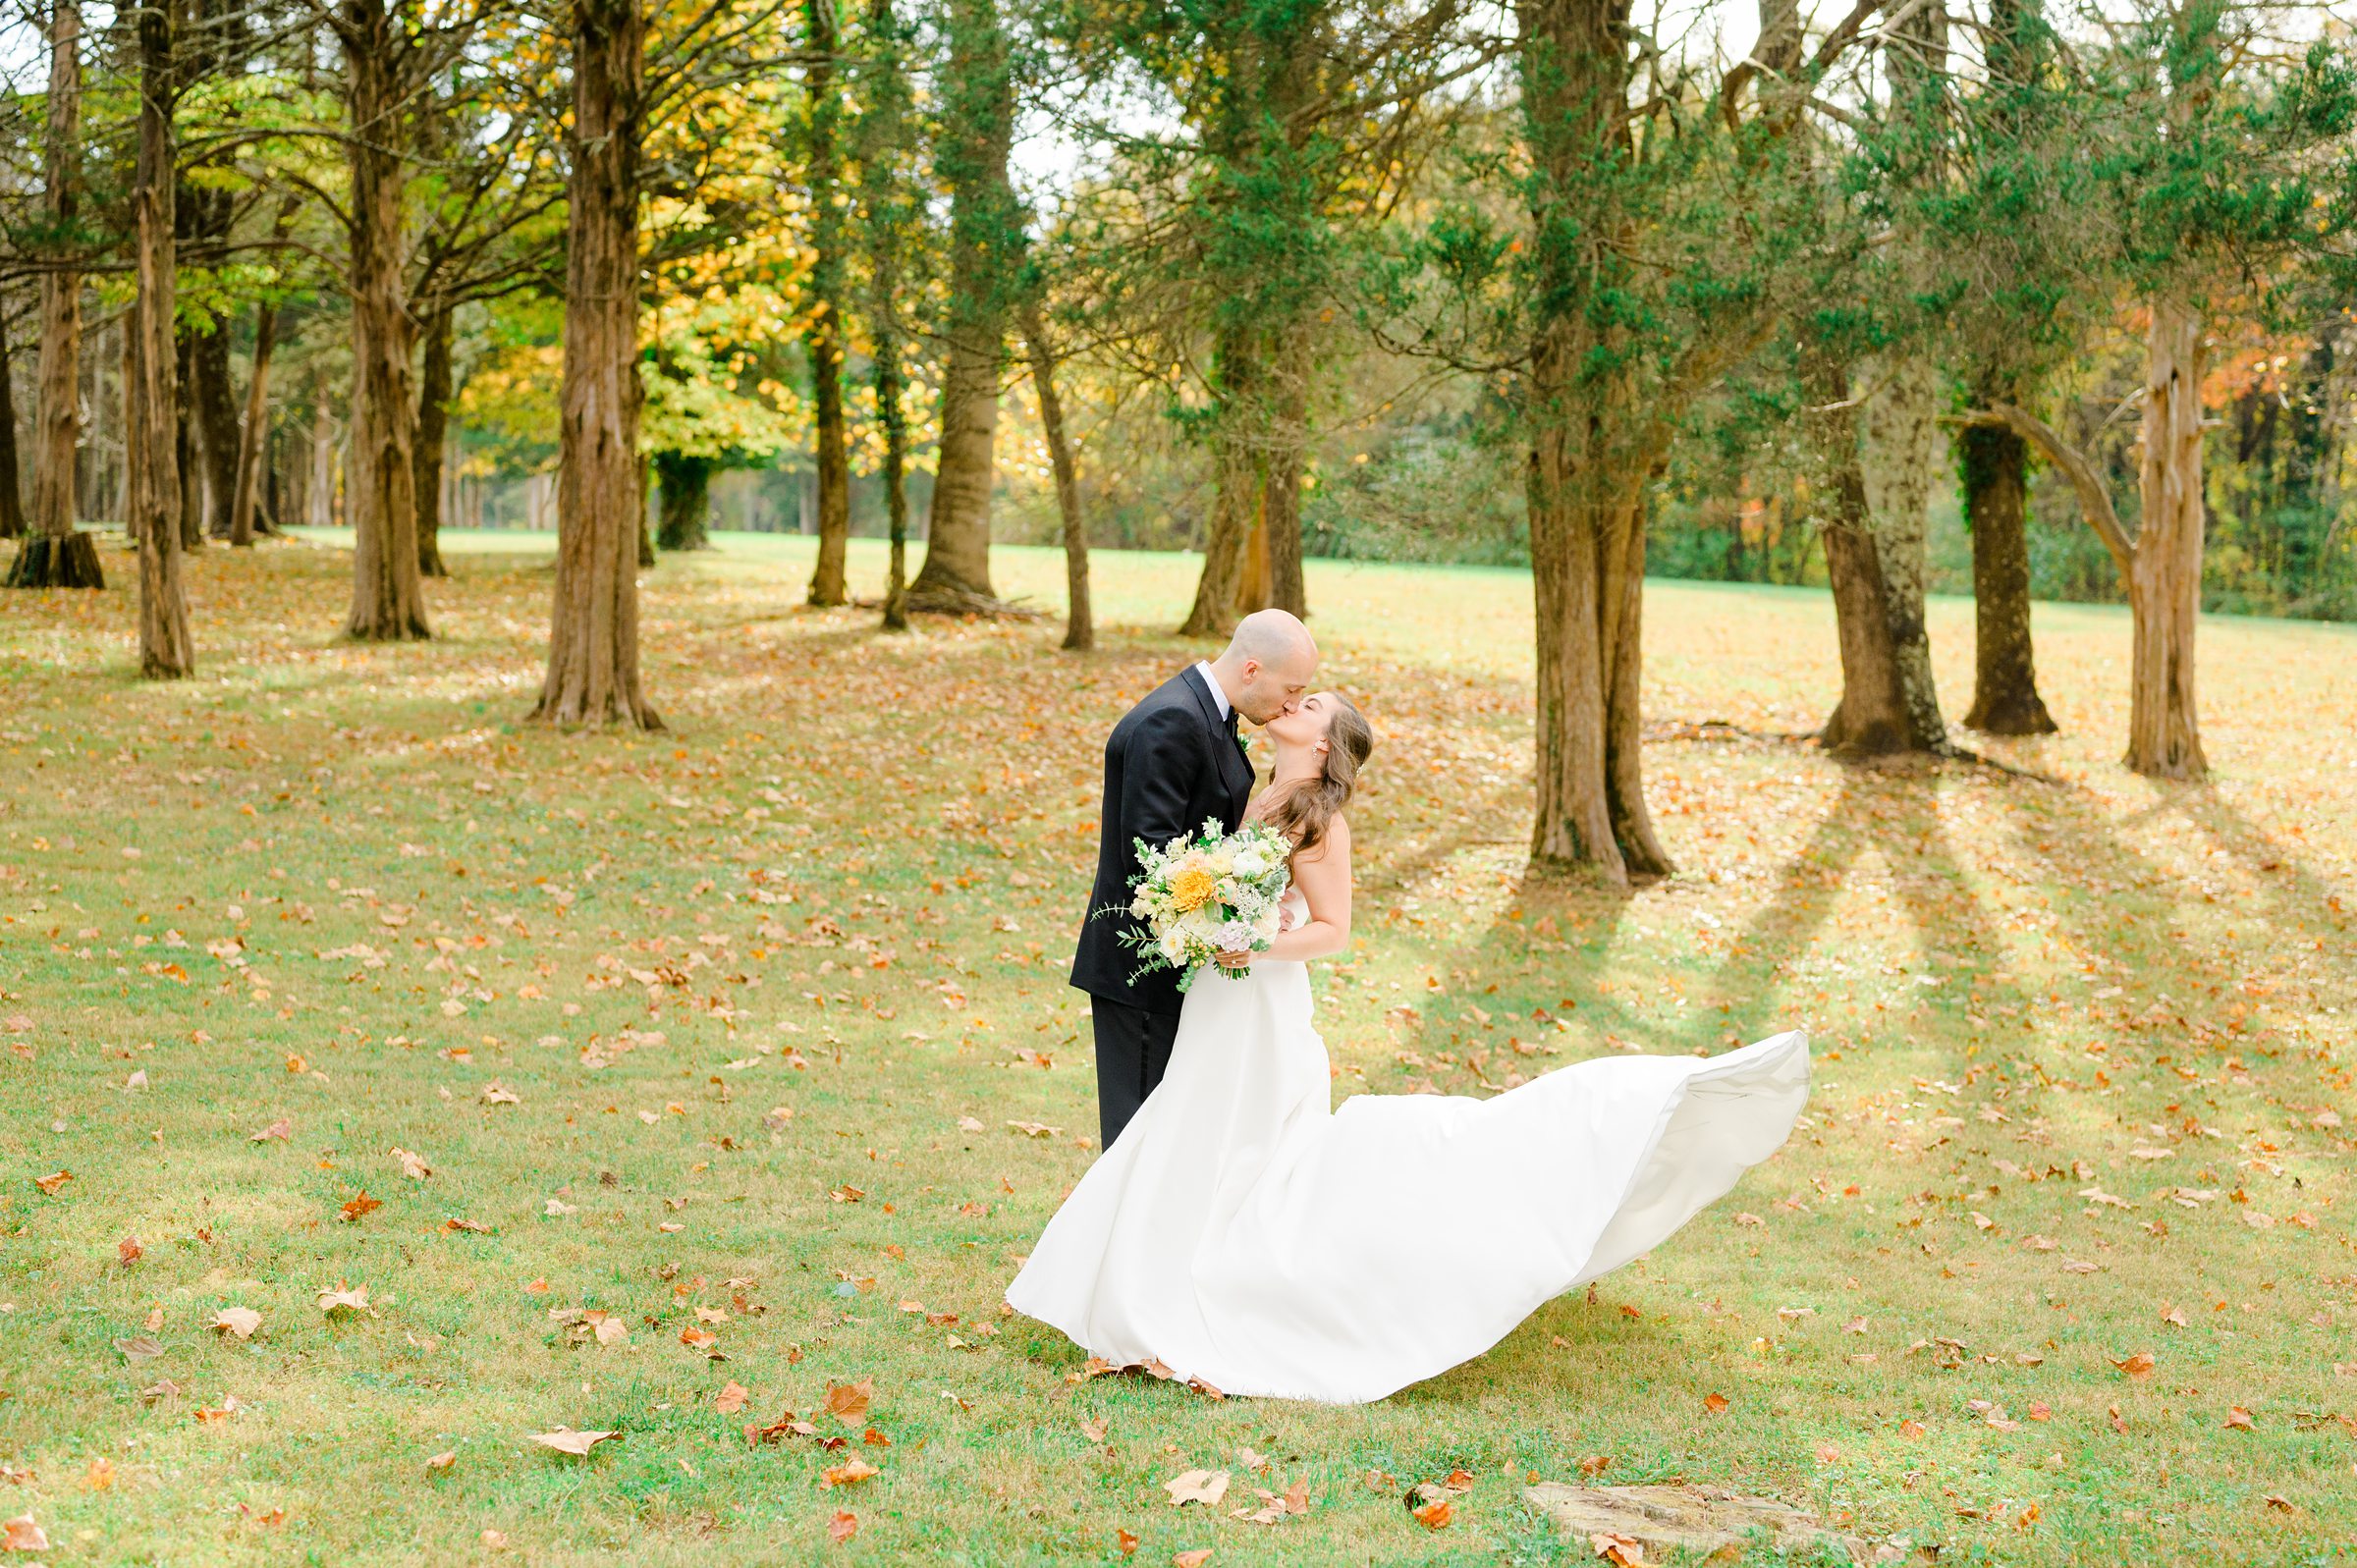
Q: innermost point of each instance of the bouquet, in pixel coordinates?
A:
(1204, 896)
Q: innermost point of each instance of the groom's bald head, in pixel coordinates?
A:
(1270, 637)
(1269, 665)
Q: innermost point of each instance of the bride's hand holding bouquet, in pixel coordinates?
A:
(1207, 901)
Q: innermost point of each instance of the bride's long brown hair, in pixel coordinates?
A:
(1307, 805)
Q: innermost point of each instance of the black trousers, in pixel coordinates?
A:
(1133, 1049)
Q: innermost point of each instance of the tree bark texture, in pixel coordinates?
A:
(216, 406)
(686, 488)
(165, 649)
(824, 341)
(433, 434)
(1080, 627)
(1593, 450)
(1264, 263)
(380, 496)
(2004, 692)
(1875, 455)
(593, 636)
(892, 413)
(12, 494)
(323, 458)
(986, 242)
(2165, 575)
(1235, 500)
(58, 555)
(185, 436)
(255, 433)
(1280, 506)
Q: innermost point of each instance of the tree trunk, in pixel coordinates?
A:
(256, 431)
(1875, 553)
(593, 636)
(1220, 592)
(1877, 471)
(1594, 450)
(323, 458)
(129, 376)
(1280, 506)
(434, 431)
(646, 535)
(2004, 693)
(216, 401)
(380, 472)
(825, 340)
(12, 494)
(986, 238)
(185, 435)
(2165, 578)
(1080, 627)
(59, 555)
(687, 486)
(165, 649)
(892, 413)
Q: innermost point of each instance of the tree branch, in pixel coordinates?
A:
(2095, 497)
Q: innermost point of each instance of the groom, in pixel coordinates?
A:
(1173, 762)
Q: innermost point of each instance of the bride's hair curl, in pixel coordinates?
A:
(1302, 812)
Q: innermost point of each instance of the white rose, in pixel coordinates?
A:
(1174, 944)
(1250, 864)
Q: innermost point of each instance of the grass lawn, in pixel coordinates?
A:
(681, 1070)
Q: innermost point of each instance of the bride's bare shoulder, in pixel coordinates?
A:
(1335, 842)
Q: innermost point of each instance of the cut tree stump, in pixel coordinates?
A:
(1664, 1520)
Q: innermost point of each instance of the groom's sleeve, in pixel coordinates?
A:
(1154, 774)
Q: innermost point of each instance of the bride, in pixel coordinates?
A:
(1247, 1234)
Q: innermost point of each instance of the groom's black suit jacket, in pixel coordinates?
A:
(1172, 762)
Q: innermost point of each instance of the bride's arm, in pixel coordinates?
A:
(1324, 876)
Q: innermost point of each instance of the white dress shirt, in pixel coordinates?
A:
(1218, 695)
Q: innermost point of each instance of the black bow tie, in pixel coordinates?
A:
(1232, 723)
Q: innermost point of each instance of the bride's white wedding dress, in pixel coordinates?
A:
(1245, 1232)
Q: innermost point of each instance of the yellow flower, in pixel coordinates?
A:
(1192, 888)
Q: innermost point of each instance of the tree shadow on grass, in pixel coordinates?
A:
(1586, 1345)
(1893, 814)
(2297, 899)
